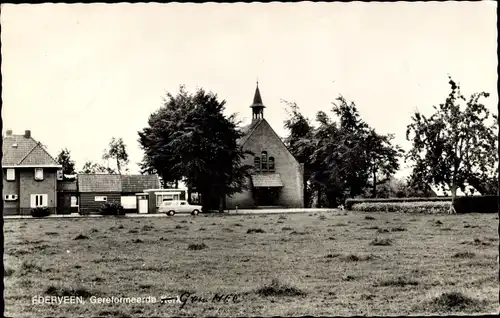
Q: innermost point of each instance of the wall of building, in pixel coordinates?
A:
(10, 187)
(89, 205)
(291, 172)
(28, 186)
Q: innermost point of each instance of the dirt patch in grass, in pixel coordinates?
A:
(357, 258)
(298, 233)
(381, 242)
(30, 267)
(7, 271)
(477, 242)
(398, 282)
(250, 231)
(398, 229)
(197, 247)
(333, 255)
(61, 291)
(455, 302)
(279, 289)
(464, 255)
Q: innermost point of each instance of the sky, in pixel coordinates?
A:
(78, 75)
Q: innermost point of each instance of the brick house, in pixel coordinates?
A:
(94, 190)
(277, 179)
(30, 174)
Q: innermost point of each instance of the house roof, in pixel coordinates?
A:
(19, 150)
(116, 183)
(267, 180)
(138, 183)
(99, 183)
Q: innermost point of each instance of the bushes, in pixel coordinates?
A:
(40, 212)
(111, 208)
(474, 204)
(350, 202)
(406, 207)
(477, 204)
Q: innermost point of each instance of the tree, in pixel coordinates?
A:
(299, 143)
(92, 167)
(382, 158)
(64, 159)
(117, 151)
(455, 145)
(190, 139)
(341, 154)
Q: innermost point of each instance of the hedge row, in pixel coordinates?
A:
(428, 207)
(478, 204)
(473, 204)
(350, 202)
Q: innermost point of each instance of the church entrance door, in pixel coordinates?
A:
(266, 196)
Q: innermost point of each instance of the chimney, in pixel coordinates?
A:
(9, 132)
(27, 133)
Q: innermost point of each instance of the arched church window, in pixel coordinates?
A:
(264, 160)
(271, 163)
(256, 163)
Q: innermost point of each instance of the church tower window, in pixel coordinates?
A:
(271, 164)
(256, 163)
(264, 160)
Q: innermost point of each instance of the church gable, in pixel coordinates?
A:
(264, 139)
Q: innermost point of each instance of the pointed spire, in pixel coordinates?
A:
(257, 99)
(257, 106)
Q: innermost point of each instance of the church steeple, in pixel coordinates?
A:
(257, 106)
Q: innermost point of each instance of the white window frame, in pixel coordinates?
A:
(101, 198)
(74, 205)
(39, 200)
(39, 171)
(10, 174)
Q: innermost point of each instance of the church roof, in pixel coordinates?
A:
(248, 130)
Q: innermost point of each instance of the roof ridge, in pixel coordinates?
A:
(37, 144)
(25, 156)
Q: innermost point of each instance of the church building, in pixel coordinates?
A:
(277, 178)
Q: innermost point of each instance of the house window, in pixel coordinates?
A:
(100, 198)
(256, 163)
(11, 175)
(39, 200)
(264, 160)
(271, 164)
(38, 174)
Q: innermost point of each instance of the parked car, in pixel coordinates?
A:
(178, 206)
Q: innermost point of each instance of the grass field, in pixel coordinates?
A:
(287, 265)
